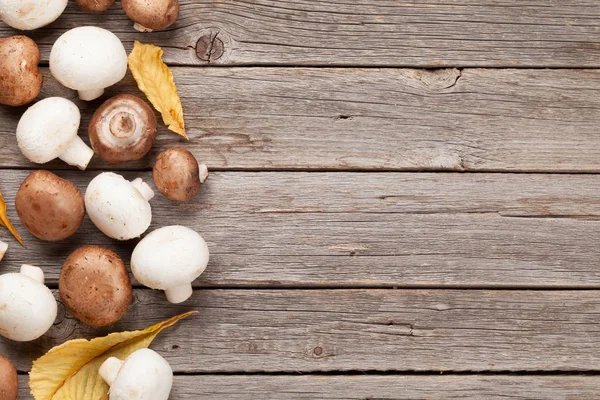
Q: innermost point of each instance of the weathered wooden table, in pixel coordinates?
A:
(379, 228)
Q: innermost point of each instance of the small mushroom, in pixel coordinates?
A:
(151, 15)
(28, 308)
(27, 15)
(123, 129)
(50, 207)
(119, 208)
(21, 80)
(48, 130)
(170, 259)
(94, 286)
(178, 175)
(143, 375)
(88, 59)
(3, 248)
(9, 380)
(95, 5)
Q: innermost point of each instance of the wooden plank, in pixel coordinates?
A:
(356, 387)
(372, 119)
(367, 330)
(428, 33)
(364, 229)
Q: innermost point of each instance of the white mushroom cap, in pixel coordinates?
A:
(48, 130)
(27, 307)
(27, 15)
(88, 59)
(3, 248)
(144, 375)
(170, 259)
(119, 208)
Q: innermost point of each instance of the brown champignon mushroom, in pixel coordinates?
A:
(178, 175)
(8, 380)
(123, 129)
(50, 207)
(150, 15)
(94, 286)
(95, 5)
(20, 78)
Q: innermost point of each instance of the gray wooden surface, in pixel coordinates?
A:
(377, 230)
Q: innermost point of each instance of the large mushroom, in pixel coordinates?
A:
(95, 5)
(50, 207)
(27, 15)
(178, 175)
(170, 259)
(151, 15)
(118, 207)
(48, 130)
(20, 78)
(9, 380)
(123, 129)
(28, 306)
(88, 59)
(94, 286)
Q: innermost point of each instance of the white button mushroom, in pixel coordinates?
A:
(48, 130)
(144, 375)
(3, 248)
(119, 208)
(27, 15)
(170, 259)
(27, 307)
(88, 59)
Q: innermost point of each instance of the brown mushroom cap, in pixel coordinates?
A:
(8, 380)
(94, 286)
(50, 207)
(95, 5)
(177, 174)
(20, 78)
(123, 129)
(153, 14)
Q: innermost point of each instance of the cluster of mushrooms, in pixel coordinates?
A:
(94, 283)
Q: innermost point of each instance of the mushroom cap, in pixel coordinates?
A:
(168, 257)
(176, 174)
(123, 129)
(47, 128)
(50, 207)
(155, 14)
(147, 373)
(94, 286)
(95, 5)
(116, 207)
(27, 15)
(21, 79)
(9, 380)
(88, 58)
(28, 308)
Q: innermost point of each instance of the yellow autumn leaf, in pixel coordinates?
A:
(4, 221)
(70, 371)
(155, 79)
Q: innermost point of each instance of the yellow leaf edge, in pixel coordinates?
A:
(142, 56)
(39, 364)
(4, 221)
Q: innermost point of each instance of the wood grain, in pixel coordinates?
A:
(361, 229)
(351, 387)
(426, 33)
(364, 330)
(371, 119)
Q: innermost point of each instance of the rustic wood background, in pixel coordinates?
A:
(403, 202)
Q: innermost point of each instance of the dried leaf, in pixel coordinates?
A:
(4, 221)
(155, 79)
(70, 371)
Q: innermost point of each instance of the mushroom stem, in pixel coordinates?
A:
(203, 172)
(33, 272)
(143, 188)
(141, 28)
(110, 369)
(3, 248)
(179, 294)
(89, 95)
(77, 154)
